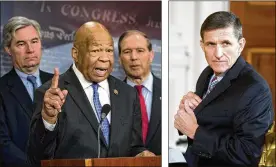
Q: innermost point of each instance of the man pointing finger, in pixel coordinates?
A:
(72, 133)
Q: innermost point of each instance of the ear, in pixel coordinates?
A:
(151, 55)
(242, 42)
(7, 50)
(202, 45)
(75, 54)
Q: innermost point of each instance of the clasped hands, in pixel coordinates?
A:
(185, 119)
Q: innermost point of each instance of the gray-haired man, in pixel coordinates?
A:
(22, 42)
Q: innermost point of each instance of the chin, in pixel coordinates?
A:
(97, 79)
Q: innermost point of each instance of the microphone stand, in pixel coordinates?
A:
(99, 141)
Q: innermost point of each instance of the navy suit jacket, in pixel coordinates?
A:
(153, 140)
(15, 116)
(233, 119)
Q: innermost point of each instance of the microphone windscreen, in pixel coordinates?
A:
(105, 110)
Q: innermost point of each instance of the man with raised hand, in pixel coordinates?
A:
(68, 109)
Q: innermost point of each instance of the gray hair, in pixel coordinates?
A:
(16, 23)
(222, 19)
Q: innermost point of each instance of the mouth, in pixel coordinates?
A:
(101, 71)
(31, 58)
(219, 61)
(134, 66)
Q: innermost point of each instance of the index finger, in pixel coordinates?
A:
(55, 79)
(195, 96)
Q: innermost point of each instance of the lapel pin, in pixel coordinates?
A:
(160, 98)
(116, 92)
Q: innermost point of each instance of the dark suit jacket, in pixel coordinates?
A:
(15, 116)
(75, 135)
(233, 118)
(153, 141)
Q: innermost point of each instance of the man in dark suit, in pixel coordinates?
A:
(22, 41)
(136, 56)
(226, 119)
(68, 109)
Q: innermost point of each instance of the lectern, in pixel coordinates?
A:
(120, 161)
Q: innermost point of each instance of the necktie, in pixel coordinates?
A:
(98, 107)
(213, 83)
(144, 114)
(32, 79)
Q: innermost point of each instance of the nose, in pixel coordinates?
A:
(133, 55)
(218, 52)
(30, 48)
(105, 56)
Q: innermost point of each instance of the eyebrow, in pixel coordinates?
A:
(134, 48)
(97, 44)
(20, 41)
(223, 41)
(226, 40)
(210, 42)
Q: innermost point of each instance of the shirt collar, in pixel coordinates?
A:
(24, 75)
(148, 83)
(219, 77)
(85, 84)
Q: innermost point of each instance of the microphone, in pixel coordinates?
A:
(105, 110)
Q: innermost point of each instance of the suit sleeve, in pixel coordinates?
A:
(252, 120)
(10, 153)
(137, 143)
(42, 142)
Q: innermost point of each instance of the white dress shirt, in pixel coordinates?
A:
(103, 91)
(146, 91)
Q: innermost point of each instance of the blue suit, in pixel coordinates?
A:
(15, 115)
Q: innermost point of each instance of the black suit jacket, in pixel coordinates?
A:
(153, 141)
(75, 135)
(233, 118)
(15, 116)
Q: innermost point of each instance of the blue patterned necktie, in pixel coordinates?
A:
(32, 79)
(212, 85)
(98, 107)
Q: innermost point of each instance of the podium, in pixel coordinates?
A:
(119, 161)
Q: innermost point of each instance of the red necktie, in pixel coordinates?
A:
(144, 114)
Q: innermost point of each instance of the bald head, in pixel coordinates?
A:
(89, 32)
(93, 51)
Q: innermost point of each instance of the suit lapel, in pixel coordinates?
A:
(77, 93)
(20, 93)
(221, 86)
(155, 119)
(117, 117)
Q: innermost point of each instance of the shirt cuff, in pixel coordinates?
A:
(49, 126)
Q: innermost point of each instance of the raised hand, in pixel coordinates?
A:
(53, 100)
